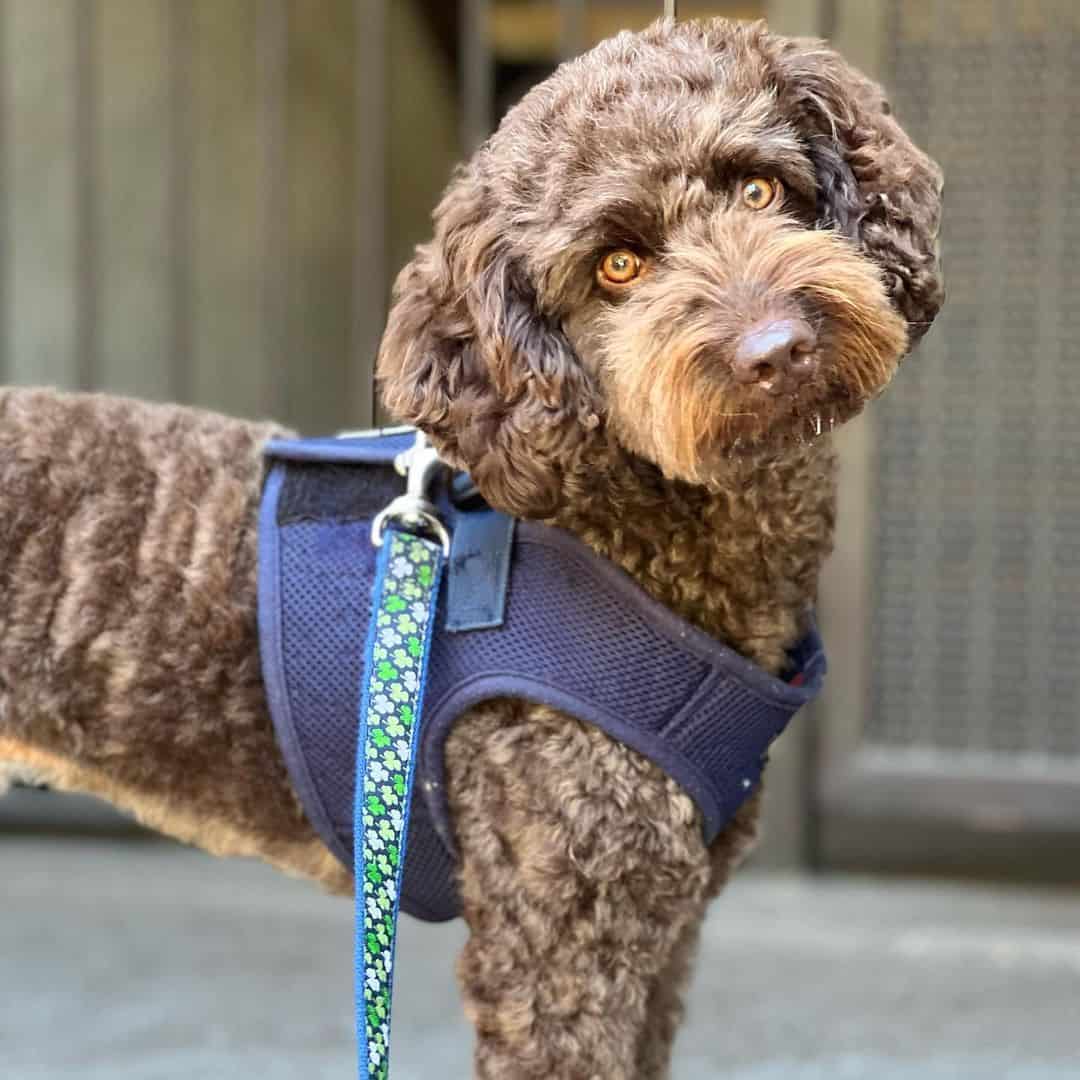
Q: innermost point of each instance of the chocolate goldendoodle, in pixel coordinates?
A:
(650, 297)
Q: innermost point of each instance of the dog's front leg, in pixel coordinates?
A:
(665, 1011)
(582, 872)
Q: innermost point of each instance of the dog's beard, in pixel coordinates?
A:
(668, 350)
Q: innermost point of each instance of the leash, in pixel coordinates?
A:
(406, 591)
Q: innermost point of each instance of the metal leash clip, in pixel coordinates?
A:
(414, 511)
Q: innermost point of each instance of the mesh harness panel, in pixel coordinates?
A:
(577, 634)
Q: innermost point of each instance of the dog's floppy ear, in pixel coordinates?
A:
(874, 184)
(468, 357)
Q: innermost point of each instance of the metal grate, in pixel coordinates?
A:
(976, 617)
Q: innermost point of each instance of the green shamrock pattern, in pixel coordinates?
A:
(406, 605)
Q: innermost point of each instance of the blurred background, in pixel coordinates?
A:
(207, 201)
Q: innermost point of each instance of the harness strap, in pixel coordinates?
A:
(399, 642)
(479, 572)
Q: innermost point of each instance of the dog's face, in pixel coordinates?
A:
(697, 242)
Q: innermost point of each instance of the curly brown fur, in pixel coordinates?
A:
(128, 657)
(129, 662)
(617, 416)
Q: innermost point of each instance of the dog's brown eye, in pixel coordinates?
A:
(619, 267)
(757, 192)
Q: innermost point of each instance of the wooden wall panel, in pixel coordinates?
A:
(132, 70)
(423, 136)
(41, 252)
(205, 200)
(371, 230)
(225, 369)
(321, 184)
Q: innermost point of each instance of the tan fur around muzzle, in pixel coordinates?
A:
(668, 346)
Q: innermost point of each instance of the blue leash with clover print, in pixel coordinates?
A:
(406, 591)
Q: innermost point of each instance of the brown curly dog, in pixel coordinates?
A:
(649, 298)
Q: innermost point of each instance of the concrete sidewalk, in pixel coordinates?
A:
(131, 960)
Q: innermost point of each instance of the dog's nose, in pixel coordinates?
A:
(777, 354)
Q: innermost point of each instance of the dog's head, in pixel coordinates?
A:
(695, 242)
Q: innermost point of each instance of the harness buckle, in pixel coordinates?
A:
(414, 511)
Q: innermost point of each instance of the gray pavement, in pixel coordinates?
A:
(133, 960)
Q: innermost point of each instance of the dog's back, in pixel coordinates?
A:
(121, 524)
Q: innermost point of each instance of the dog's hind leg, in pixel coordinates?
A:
(583, 870)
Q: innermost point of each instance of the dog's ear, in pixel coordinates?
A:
(469, 358)
(874, 184)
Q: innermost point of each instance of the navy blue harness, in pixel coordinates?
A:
(526, 611)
